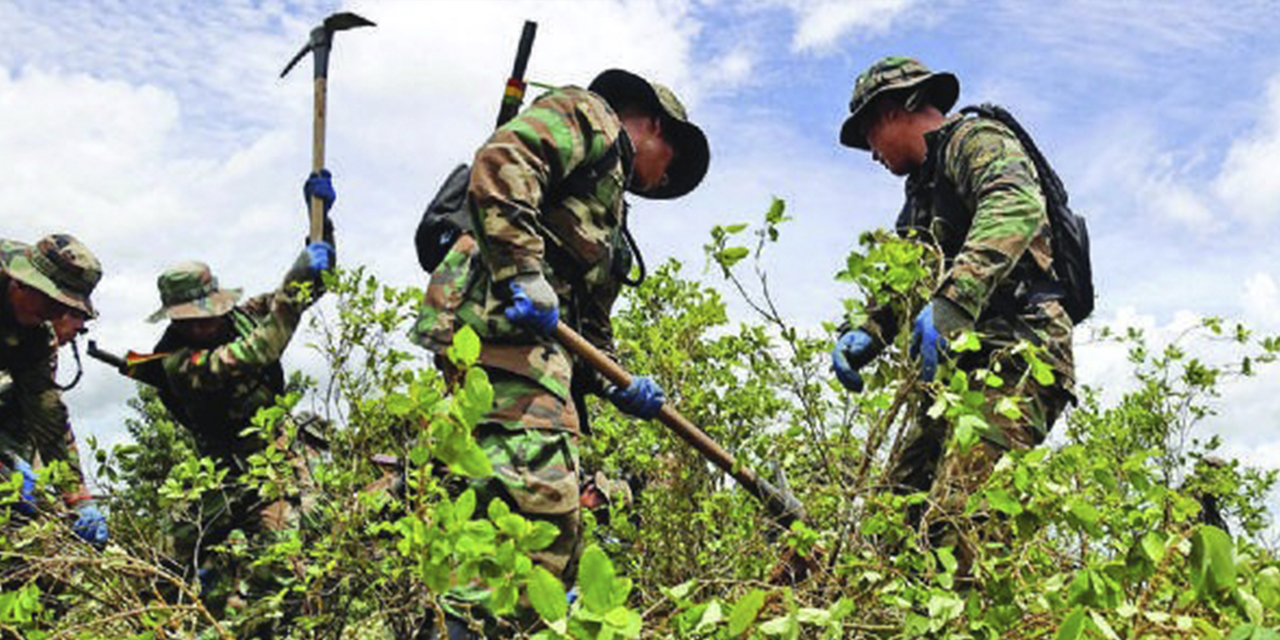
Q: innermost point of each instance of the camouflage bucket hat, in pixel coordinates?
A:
(188, 290)
(616, 492)
(622, 88)
(59, 266)
(893, 74)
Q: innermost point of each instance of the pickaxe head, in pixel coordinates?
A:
(322, 38)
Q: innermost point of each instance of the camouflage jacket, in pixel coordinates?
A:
(33, 419)
(215, 391)
(977, 196)
(533, 213)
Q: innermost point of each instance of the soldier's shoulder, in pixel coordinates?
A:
(976, 142)
(976, 132)
(583, 108)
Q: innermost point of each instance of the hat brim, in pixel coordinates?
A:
(216, 304)
(693, 154)
(19, 268)
(943, 91)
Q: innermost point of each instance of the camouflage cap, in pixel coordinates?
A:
(622, 88)
(188, 290)
(893, 74)
(616, 492)
(59, 266)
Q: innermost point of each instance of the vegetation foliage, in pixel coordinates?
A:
(1097, 534)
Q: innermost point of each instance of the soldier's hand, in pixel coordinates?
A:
(852, 352)
(534, 304)
(926, 341)
(322, 256)
(643, 398)
(320, 185)
(91, 525)
(27, 494)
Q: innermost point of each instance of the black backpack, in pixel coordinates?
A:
(1071, 264)
(447, 216)
(444, 220)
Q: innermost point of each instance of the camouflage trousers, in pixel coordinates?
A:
(531, 439)
(921, 461)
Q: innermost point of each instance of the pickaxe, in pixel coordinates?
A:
(319, 44)
(779, 503)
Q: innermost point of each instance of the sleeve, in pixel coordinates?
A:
(261, 343)
(514, 171)
(46, 418)
(997, 180)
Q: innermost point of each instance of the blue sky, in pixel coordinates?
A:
(158, 131)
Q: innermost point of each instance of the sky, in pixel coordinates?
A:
(159, 131)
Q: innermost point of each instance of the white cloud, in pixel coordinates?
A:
(1261, 300)
(1248, 182)
(820, 24)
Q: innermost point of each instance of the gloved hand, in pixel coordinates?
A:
(925, 343)
(852, 352)
(534, 304)
(27, 505)
(91, 526)
(322, 256)
(320, 185)
(643, 398)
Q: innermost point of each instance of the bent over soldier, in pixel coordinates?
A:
(218, 363)
(551, 243)
(973, 191)
(44, 303)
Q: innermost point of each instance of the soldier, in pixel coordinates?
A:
(44, 303)
(971, 190)
(546, 198)
(218, 363)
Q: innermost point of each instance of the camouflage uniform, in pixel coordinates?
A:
(546, 197)
(977, 197)
(575, 239)
(215, 390)
(34, 424)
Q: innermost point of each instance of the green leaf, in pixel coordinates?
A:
(1103, 627)
(547, 595)
(472, 463)
(735, 228)
(745, 612)
(1072, 627)
(595, 579)
(967, 341)
(776, 211)
(466, 348)
(731, 256)
(1153, 546)
(1008, 407)
(1213, 566)
(1249, 604)
(543, 534)
(465, 506)
(711, 618)
(1004, 502)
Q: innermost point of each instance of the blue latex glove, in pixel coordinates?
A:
(91, 526)
(27, 505)
(925, 343)
(320, 185)
(322, 256)
(852, 352)
(642, 399)
(533, 304)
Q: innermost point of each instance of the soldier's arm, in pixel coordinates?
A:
(262, 342)
(45, 418)
(997, 179)
(514, 171)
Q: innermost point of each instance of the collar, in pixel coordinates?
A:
(627, 154)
